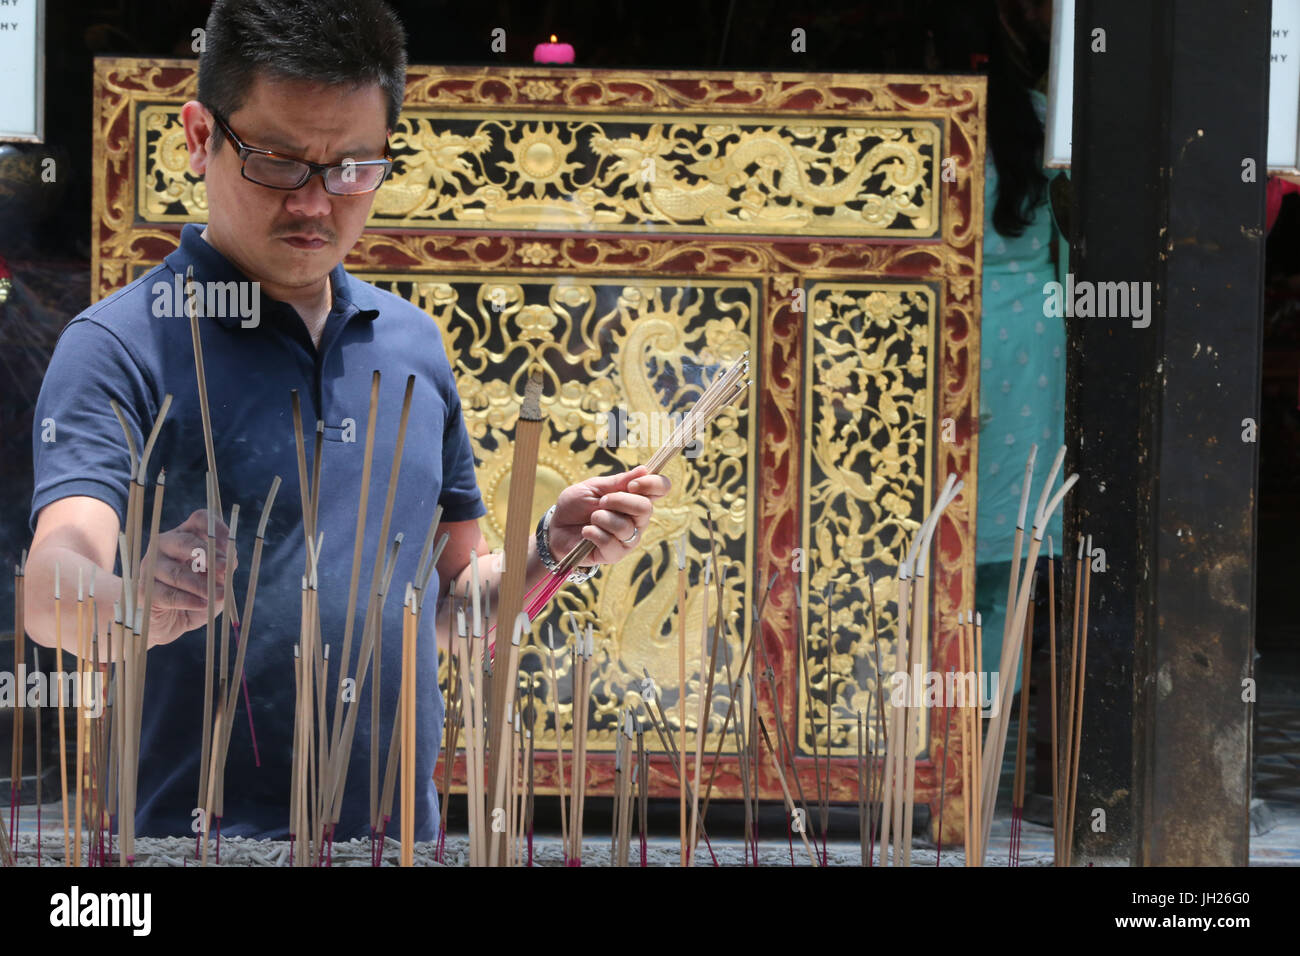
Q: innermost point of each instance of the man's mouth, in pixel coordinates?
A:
(306, 242)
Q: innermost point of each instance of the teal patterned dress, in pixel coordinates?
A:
(1022, 395)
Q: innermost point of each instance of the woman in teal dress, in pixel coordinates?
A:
(1022, 350)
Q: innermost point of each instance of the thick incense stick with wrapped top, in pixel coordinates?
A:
(523, 478)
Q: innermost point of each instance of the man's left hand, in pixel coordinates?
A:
(610, 512)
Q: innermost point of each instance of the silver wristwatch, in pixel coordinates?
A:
(577, 575)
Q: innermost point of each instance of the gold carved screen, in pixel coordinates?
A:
(632, 232)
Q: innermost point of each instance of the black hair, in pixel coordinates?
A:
(1018, 58)
(333, 42)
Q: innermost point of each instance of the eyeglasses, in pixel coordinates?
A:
(279, 171)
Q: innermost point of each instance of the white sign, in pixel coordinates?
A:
(22, 70)
(1283, 87)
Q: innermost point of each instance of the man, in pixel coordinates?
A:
(296, 100)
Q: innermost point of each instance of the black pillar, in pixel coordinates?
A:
(1170, 104)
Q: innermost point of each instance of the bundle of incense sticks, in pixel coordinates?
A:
(1013, 637)
(904, 723)
(1065, 774)
(131, 626)
(453, 720)
(624, 774)
(584, 650)
(725, 390)
(559, 737)
(400, 737)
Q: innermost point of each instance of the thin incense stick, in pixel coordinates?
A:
(408, 729)
(981, 737)
(1077, 716)
(660, 724)
(20, 640)
(80, 724)
(964, 737)
(892, 776)
(247, 627)
(1057, 857)
(920, 637)
(63, 741)
(786, 751)
(943, 776)
(825, 798)
(801, 643)
(681, 684)
(700, 727)
(559, 736)
(210, 559)
(1022, 736)
(785, 792)
(1068, 729)
(734, 689)
(358, 542)
(200, 375)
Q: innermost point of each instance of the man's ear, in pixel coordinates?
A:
(199, 127)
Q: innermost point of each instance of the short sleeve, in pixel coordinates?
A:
(461, 499)
(78, 447)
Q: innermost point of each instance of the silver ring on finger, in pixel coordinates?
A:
(633, 537)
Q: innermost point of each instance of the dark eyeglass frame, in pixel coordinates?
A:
(312, 169)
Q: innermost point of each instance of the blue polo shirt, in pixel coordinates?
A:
(135, 347)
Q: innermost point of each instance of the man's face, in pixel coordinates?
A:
(288, 239)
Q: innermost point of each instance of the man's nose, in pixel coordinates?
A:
(309, 199)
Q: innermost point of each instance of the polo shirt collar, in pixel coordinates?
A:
(211, 266)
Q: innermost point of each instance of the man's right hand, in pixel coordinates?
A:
(180, 589)
(79, 534)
